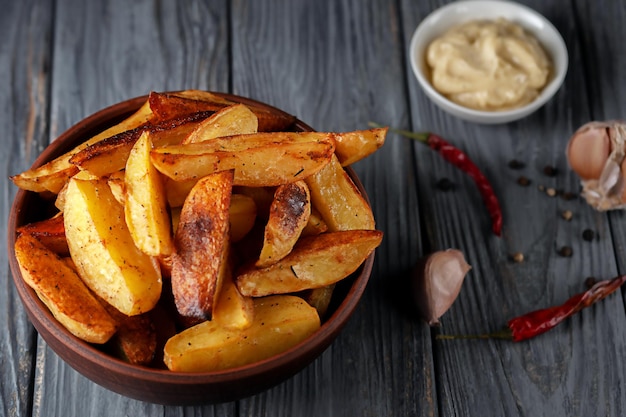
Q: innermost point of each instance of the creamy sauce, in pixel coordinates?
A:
(488, 65)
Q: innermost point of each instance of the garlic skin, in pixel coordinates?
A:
(596, 153)
(437, 283)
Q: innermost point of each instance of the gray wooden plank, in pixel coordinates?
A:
(337, 65)
(105, 52)
(25, 28)
(548, 375)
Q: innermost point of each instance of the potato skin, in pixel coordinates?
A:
(280, 322)
(103, 249)
(59, 287)
(202, 245)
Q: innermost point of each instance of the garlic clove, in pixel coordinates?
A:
(588, 149)
(437, 282)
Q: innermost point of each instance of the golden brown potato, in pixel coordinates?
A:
(338, 200)
(109, 155)
(280, 322)
(53, 175)
(136, 338)
(242, 215)
(233, 310)
(320, 298)
(289, 214)
(237, 119)
(262, 196)
(50, 232)
(103, 250)
(167, 105)
(117, 184)
(146, 210)
(315, 225)
(316, 261)
(262, 159)
(200, 259)
(59, 287)
(356, 145)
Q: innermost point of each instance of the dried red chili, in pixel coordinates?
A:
(460, 159)
(537, 322)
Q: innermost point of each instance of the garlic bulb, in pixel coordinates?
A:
(596, 153)
(437, 283)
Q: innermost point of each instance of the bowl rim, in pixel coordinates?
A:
(54, 333)
(428, 30)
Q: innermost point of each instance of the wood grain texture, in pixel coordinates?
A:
(25, 30)
(551, 374)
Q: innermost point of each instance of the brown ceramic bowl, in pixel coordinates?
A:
(159, 385)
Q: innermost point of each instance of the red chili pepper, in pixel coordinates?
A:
(540, 321)
(459, 159)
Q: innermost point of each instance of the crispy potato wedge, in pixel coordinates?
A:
(338, 200)
(262, 196)
(59, 287)
(103, 250)
(233, 310)
(280, 322)
(53, 175)
(167, 105)
(200, 259)
(109, 155)
(50, 232)
(242, 215)
(356, 145)
(316, 261)
(136, 338)
(117, 184)
(289, 214)
(263, 159)
(146, 211)
(320, 298)
(315, 225)
(237, 119)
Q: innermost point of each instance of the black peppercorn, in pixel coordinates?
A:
(523, 181)
(566, 251)
(550, 171)
(588, 235)
(515, 164)
(445, 184)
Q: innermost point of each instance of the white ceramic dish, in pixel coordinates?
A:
(462, 11)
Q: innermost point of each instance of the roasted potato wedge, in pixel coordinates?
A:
(59, 287)
(320, 298)
(167, 105)
(263, 159)
(109, 155)
(233, 310)
(200, 259)
(338, 200)
(136, 338)
(242, 215)
(237, 119)
(315, 225)
(353, 146)
(54, 175)
(315, 262)
(280, 322)
(103, 250)
(146, 210)
(289, 214)
(117, 183)
(50, 232)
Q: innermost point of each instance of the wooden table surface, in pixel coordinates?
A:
(337, 65)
